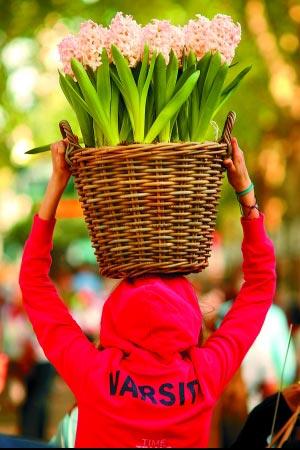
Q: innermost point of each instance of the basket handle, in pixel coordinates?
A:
(67, 133)
(226, 135)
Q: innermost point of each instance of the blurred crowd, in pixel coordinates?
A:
(27, 379)
(26, 376)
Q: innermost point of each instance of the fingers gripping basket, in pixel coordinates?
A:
(149, 208)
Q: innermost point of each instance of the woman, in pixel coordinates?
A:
(150, 384)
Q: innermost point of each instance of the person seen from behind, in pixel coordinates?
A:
(151, 384)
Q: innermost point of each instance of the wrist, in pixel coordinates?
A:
(242, 186)
(248, 205)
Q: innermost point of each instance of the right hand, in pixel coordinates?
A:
(239, 179)
(60, 169)
(237, 172)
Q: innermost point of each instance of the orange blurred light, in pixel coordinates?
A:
(294, 13)
(273, 165)
(282, 86)
(295, 108)
(274, 210)
(289, 42)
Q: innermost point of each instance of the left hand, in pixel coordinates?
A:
(58, 181)
(60, 169)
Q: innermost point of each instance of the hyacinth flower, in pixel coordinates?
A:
(157, 83)
(210, 46)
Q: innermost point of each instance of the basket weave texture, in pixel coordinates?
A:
(149, 208)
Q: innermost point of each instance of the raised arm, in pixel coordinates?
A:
(224, 351)
(61, 338)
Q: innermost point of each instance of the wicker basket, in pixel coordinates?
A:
(149, 208)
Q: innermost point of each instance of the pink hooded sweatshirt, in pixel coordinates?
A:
(150, 385)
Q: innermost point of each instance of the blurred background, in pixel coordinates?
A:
(31, 105)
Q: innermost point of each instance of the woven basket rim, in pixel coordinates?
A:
(136, 145)
(148, 150)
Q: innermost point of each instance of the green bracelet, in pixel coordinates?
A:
(246, 191)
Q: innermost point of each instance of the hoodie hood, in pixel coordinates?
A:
(159, 315)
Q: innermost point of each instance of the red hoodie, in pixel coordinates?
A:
(151, 385)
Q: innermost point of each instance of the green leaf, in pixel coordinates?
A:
(172, 107)
(125, 127)
(172, 74)
(84, 119)
(203, 66)
(189, 70)
(103, 82)
(160, 87)
(92, 76)
(76, 96)
(144, 95)
(212, 101)
(173, 122)
(99, 136)
(191, 59)
(183, 77)
(160, 83)
(214, 65)
(42, 148)
(183, 123)
(231, 88)
(114, 109)
(174, 133)
(143, 70)
(194, 110)
(94, 105)
(148, 81)
(236, 81)
(125, 96)
(149, 112)
(128, 83)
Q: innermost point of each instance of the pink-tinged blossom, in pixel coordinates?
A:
(226, 36)
(126, 34)
(162, 37)
(198, 36)
(69, 48)
(92, 39)
(178, 41)
(220, 34)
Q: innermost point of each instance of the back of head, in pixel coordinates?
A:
(158, 314)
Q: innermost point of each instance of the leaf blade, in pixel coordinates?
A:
(35, 150)
(92, 100)
(84, 119)
(212, 101)
(128, 83)
(172, 107)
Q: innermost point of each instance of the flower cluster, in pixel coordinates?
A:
(226, 36)
(92, 38)
(86, 46)
(126, 34)
(69, 48)
(200, 36)
(162, 37)
(220, 34)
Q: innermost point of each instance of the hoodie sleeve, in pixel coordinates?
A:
(224, 351)
(62, 340)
